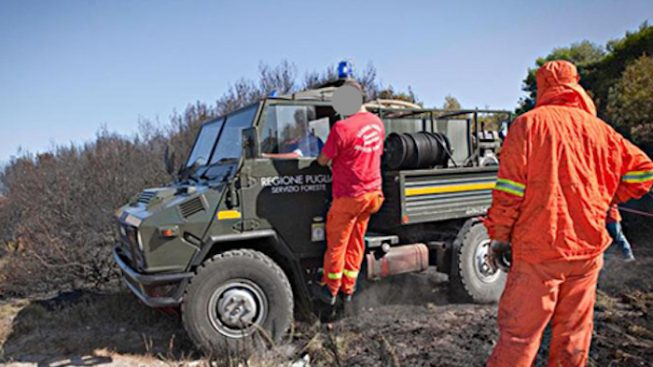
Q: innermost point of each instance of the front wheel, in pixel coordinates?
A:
(471, 279)
(237, 300)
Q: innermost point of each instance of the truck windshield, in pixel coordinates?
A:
(204, 143)
(230, 144)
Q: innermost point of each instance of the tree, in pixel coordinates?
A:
(56, 217)
(581, 54)
(601, 76)
(391, 93)
(366, 77)
(599, 68)
(630, 103)
(451, 103)
(282, 79)
(617, 79)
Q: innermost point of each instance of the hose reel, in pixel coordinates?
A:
(416, 150)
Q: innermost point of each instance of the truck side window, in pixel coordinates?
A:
(292, 132)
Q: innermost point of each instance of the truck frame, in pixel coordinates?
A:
(237, 241)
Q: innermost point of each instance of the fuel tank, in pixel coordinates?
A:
(397, 260)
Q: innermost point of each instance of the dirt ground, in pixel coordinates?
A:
(406, 322)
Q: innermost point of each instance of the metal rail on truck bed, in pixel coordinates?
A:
(420, 196)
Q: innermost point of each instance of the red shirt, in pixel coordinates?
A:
(355, 146)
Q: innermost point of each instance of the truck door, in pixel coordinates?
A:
(284, 188)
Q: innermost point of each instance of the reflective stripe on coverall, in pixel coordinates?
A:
(346, 226)
(561, 167)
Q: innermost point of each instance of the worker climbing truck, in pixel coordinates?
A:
(237, 240)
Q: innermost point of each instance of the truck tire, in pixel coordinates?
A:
(470, 280)
(237, 301)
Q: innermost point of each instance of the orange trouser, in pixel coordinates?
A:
(562, 292)
(345, 229)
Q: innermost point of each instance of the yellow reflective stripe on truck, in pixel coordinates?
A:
(229, 214)
(414, 191)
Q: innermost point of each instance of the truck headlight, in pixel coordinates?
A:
(139, 241)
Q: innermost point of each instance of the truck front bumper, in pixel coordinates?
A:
(155, 290)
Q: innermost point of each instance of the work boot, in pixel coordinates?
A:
(322, 293)
(346, 297)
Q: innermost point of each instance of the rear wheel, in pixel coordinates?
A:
(237, 301)
(471, 279)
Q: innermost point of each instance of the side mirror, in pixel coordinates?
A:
(250, 142)
(169, 159)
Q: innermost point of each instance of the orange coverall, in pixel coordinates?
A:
(560, 169)
(346, 226)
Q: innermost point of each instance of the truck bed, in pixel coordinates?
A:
(421, 196)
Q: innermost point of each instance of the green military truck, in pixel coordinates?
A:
(237, 241)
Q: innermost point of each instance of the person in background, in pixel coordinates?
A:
(613, 225)
(304, 143)
(354, 149)
(561, 169)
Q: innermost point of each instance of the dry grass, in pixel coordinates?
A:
(8, 312)
(112, 322)
(115, 328)
(102, 328)
(605, 302)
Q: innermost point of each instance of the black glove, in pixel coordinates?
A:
(500, 255)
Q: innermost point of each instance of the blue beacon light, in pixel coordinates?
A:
(345, 70)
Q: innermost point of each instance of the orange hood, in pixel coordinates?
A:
(557, 84)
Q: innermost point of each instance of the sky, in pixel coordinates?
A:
(70, 68)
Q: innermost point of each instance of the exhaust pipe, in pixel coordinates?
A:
(398, 260)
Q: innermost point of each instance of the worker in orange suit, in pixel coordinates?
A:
(354, 148)
(560, 169)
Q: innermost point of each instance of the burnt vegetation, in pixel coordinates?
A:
(56, 208)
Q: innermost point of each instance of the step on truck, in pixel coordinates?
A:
(237, 240)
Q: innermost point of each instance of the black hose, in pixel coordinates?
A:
(416, 151)
(446, 146)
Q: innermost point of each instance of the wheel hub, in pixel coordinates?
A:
(237, 307)
(483, 270)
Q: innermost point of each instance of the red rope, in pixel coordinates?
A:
(636, 211)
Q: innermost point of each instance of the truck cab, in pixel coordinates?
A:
(238, 239)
